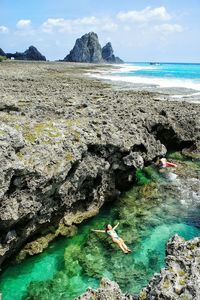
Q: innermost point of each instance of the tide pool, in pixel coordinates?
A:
(149, 214)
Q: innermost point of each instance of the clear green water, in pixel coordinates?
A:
(149, 215)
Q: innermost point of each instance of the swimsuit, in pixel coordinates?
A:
(167, 164)
(113, 234)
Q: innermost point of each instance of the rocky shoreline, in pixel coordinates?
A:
(68, 143)
(178, 280)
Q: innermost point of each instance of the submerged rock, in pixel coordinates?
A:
(179, 280)
(108, 290)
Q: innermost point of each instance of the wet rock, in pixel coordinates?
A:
(180, 278)
(108, 290)
(178, 281)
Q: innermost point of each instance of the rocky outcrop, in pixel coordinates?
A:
(2, 53)
(179, 280)
(109, 290)
(88, 49)
(67, 147)
(108, 55)
(30, 54)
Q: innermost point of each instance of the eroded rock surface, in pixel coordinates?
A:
(179, 280)
(69, 143)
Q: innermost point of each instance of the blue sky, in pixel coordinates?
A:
(143, 30)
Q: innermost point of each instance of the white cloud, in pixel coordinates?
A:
(23, 24)
(168, 28)
(75, 25)
(146, 15)
(3, 29)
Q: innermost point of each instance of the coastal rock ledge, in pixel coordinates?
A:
(179, 280)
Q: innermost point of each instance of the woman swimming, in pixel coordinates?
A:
(115, 238)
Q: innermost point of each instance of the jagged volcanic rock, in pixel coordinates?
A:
(180, 278)
(109, 290)
(108, 55)
(86, 49)
(30, 54)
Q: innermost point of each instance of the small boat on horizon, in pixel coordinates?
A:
(154, 63)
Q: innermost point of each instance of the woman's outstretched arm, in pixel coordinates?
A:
(97, 230)
(115, 226)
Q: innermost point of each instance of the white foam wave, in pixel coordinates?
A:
(130, 68)
(153, 81)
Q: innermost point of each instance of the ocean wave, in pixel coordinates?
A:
(153, 81)
(126, 68)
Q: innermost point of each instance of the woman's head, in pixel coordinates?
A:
(108, 227)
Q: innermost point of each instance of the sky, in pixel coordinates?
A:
(143, 30)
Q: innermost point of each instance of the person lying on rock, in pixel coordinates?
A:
(114, 236)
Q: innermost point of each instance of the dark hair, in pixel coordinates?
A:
(106, 227)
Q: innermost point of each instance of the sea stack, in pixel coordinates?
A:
(108, 55)
(87, 49)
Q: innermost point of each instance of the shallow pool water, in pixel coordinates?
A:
(149, 214)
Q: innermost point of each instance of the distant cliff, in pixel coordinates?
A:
(30, 54)
(88, 49)
(2, 53)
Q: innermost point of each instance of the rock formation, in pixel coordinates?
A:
(179, 280)
(2, 53)
(108, 55)
(88, 49)
(67, 147)
(109, 290)
(30, 54)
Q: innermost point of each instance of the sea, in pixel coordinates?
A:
(180, 81)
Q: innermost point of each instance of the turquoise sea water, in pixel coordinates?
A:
(181, 81)
(149, 214)
(166, 70)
